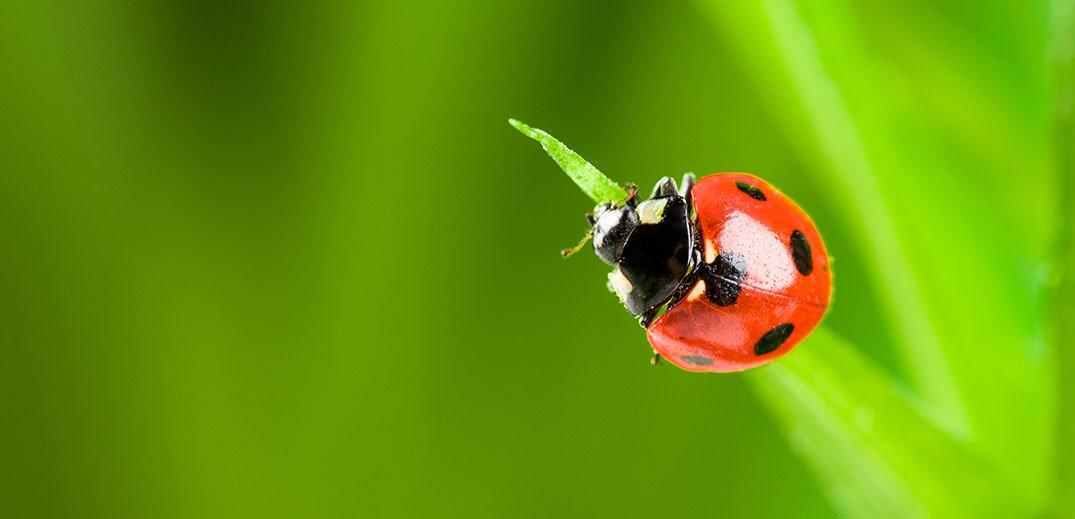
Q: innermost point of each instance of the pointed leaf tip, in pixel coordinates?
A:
(518, 125)
(589, 179)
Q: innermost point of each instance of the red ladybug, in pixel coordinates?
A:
(725, 274)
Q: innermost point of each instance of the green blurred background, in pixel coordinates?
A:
(270, 259)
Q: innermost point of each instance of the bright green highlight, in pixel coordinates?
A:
(589, 179)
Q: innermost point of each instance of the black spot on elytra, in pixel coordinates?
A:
(722, 280)
(751, 191)
(697, 360)
(773, 338)
(800, 252)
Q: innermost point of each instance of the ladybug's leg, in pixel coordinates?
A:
(686, 185)
(665, 187)
(647, 317)
(685, 189)
(655, 359)
(632, 194)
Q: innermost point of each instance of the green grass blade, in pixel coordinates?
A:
(875, 446)
(967, 314)
(589, 179)
(1063, 58)
(849, 172)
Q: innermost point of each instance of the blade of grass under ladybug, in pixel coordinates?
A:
(1063, 58)
(874, 446)
(844, 103)
(589, 179)
(853, 178)
(868, 156)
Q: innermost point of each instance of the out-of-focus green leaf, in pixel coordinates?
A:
(877, 449)
(844, 163)
(1063, 60)
(897, 152)
(282, 262)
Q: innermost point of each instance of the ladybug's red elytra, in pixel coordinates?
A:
(725, 274)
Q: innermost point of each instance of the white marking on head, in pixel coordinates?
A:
(651, 211)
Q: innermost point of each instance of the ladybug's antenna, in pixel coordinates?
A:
(570, 251)
(589, 179)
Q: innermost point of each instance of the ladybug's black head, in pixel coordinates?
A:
(650, 243)
(611, 228)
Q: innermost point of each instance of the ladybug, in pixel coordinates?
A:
(725, 273)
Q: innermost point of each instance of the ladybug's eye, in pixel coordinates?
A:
(666, 186)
